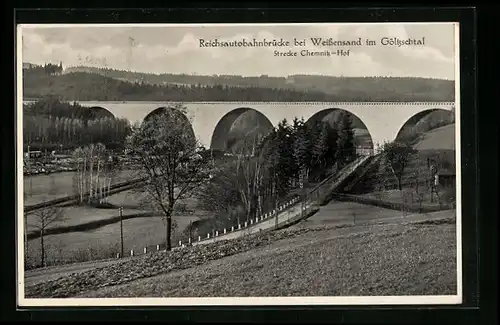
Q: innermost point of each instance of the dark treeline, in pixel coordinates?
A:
(50, 124)
(90, 86)
(378, 88)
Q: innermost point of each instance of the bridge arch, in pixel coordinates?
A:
(225, 136)
(176, 113)
(99, 111)
(362, 136)
(424, 121)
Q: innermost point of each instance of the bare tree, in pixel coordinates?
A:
(168, 159)
(100, 155)
(41, 220)
(78, 156)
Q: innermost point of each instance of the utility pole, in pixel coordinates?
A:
(121, 230)
(25, 235)
(190, 230)
(275, 202)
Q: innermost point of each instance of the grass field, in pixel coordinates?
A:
(347, 212)
(104, 242)
(42, 188)
(410, 197)
(76, 215)
(390, 259)
(101, 242)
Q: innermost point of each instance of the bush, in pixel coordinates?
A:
(103, 205)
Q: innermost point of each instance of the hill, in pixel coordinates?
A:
(328, 84)
(105, 84)
(442, 138)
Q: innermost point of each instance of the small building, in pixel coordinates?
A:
(33, 154)
(446, 178)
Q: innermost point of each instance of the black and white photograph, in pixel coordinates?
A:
(238, 164)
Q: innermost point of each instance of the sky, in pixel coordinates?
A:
(176, 49)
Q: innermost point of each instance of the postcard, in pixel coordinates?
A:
(238, 164)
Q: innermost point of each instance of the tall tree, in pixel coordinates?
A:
(333, 136)
(346, 149)
(168, 160)
(320, 147)
(302, 151)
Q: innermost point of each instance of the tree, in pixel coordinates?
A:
(333, 136)
(79, 176)
(396, 156)
(417, 175)
(346, 149)
(168, 161)
(302, 150)
(320, 147)
(42, 219)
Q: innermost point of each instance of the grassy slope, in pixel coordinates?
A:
(369, 260)
(442, 138)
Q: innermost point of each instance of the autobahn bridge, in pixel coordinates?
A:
(211, 121)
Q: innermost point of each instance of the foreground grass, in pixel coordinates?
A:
(338, 260)
(383, 260)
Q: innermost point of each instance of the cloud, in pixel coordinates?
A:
(177, 50)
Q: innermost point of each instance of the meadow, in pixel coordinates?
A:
(104, 242)
(42, 188)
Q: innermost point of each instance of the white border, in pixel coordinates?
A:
(219, 301)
